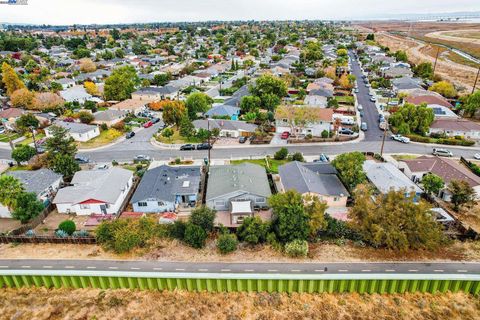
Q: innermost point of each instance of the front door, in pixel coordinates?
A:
(103, 209)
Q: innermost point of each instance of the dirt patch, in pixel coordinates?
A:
(9, 224)
(468, 36)
(55, 304)
(167, 250)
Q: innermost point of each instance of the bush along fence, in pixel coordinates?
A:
(46, 239)
(380, 283)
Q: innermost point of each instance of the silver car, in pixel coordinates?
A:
(442, 152)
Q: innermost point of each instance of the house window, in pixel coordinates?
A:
(84, 206)
(220, 203)
(142, 204)
(161, 203)
(260, 200)
(107, 205)
(336, 199)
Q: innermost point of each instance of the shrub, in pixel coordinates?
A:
(325, 134)
(253, 230)
(80, 234)
(297, 156)
(203, 217)
(68, 226)
(177, 230)
(227, 243)
(61, 234)
(281, 154)
(296, 248)
(338, 229)
(195, 236)
(30, 233)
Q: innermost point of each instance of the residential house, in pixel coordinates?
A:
(453, 127)
(316, 179)
(228, 128)
(131, 105)
(9, 116)
(386, 177)
(156, 93)
(66, 83)
(75, 94)
(406, 84)
(428, 99)
(396, 71)
(447, 169)
(78, 131)
(318, 97)
(324, 123)
(164, 188)
(223, 111)
(43, 182)
(109, 117)
(101, 191)
(237, 190)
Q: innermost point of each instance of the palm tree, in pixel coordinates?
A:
(10, 189)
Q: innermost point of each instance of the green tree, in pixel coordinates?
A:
(472, 104)
(424, 70)
(60, 142)
(86, 117)
(197, 102)
(432, 183)
(401, 55)
(394, 221)
(174, 112)
(23, 153)
(27, 122)
(167, 133)
(64, 164)
(297, 248)
(27, 208)
(315, 209)
(461, 194)
(195, 236)
(412, 119)
(68, 226)
(445, 88)
(10, 79)
(270, 90)
(162, 79)
(250, 104)
(121, 83)
(281, 154)
(187, 129)
(350, 168)
(253, 230)
(290, 221)
(227, 243)
(203, 217)
(10, 189)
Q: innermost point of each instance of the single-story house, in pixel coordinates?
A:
(156, 93)
(228, 128)
(164, 188)
(386, 177)
(78, 131)
(456, 127)
(316, 179)
(405, 84)
(43, 182)
(65, 82)
(10, 115)
(131, 105)
(76, 94)
(109, 117)
(237, 190)
(397, 71)
(429, 100)
(324, 123)
(101, 191)
(447, 169)
(223, 111)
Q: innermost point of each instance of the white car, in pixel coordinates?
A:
(360, 107)
(373, 99)
(400, 138)
(476, 156)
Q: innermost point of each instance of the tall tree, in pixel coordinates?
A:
(60, 142)
(10, 189)
(23, 153)
(461, 193)
(10, 79)
(28, 207)
(432, 184)
(350, 168)
(121, 83)
(197, 102)
(65, 165)
(27, 122)
(270, 90)
(174, 112)
(394, 221)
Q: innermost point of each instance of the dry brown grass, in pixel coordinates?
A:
(167, 250)
(85, 304)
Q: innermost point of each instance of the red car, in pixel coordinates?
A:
(285, 135)
(148, 124)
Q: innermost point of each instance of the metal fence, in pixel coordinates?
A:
(46, 239)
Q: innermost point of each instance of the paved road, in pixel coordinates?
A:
(262, 268)
(370, 110)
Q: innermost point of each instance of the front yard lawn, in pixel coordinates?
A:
(176, 138)
(5, 137)
(272, 166)
(105, 137)
(345, 99)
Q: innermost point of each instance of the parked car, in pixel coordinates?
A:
(476, 156)
(155, 120)
(285, 135)
(148, 124)
(360, 107)
(356, 91)
(187, 147)
(242, 139)
(81, 160)
(442, 152)
(383, 125)
(362, 114)
(364, 126)
(204, 146)
(368, 85)
(400, 138)
(2, 130)
(141, 157)
(346, 131)
(323, 158)
(130, 135)
(373, 99)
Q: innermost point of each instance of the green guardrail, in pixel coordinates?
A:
(375, 283)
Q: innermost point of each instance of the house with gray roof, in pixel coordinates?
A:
(228, 128)
(165, 188)
(156, 93)
(237, 190)
(76, 94)
(109, 117)
(224, 110)
(317, 179)
(386, 177)
(101, 191)
(406, 84)
(43, 182)
(78, 131)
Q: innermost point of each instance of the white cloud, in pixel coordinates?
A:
(125, 11)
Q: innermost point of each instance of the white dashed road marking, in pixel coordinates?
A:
(179, 269)
(113, 268)
(462, 270)
(225, 270)
(438, 270)
(272, 270)
(389, 270)
(91, 267)
(366, 270)
(202, 270)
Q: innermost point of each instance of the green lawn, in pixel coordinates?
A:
(105, 137)
(30, 139)
(176, 138)
(13, 136)
(346, 99)
(272, 163)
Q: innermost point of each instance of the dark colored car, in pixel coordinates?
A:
(155, 120)
(148, 124)
(242, 139)
(130, 135)
(346, 131)
(187, 147)
(81, 160)
(204, 146)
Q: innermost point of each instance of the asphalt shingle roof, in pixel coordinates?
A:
(36, 181)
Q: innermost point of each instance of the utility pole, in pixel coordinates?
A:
(476, 80)
(385, 129)
(435, 64)
(209, 146)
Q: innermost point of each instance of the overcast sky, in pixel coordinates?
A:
(126, 11)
